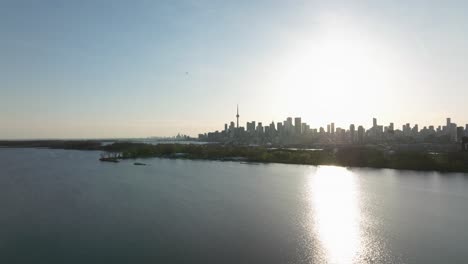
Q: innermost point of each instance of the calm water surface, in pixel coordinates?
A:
(61, 206)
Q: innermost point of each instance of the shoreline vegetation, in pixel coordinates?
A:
(372, 156)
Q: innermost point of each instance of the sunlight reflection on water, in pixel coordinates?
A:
(334, 194)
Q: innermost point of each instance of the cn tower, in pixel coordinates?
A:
(237, 116)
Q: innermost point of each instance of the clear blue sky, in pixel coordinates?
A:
(102, 68)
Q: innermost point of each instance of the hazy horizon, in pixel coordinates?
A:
(215, 128)
(92, 69)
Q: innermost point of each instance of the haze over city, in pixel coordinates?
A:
(90, 69)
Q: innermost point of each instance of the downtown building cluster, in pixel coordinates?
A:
(294, 131)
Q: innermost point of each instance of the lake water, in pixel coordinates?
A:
(60, 206)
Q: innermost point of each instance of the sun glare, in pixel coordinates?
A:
(336, 212)
(337, 62)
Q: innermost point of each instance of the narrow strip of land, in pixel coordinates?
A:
(351, 155)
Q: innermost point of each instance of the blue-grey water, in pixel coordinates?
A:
(60, 206)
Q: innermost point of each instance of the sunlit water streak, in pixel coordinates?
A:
(334, 195)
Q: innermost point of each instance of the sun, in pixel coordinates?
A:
(338, 64)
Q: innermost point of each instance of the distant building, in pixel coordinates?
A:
(460, 133)
(332, 128)
(272, 127)
(259, 128)
(452, 132)
(305, 128)
(297, 125)
(351, 133)
(237, 116)
(288, 125)
(407, 129)
(251, 127)
(279, 127)
(360, 134)
(391, 128)
(380, 129)
(465, 144)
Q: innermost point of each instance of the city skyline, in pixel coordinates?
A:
(295, 130)
(237, 123)
(448, 120)
(139, 69)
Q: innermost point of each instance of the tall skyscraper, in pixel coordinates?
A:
(249, 127)
(407, 129)
(289, 125)
(460, 133)
(298, 125)
(260, 128)
(360, 134)
(305, 128)
(453, 132)
(237, 116)
(332, 128)
(351, 133)
(374, 122)
(279, 126)
(272, 126)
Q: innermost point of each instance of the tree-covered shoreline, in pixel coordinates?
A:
(349, 156)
